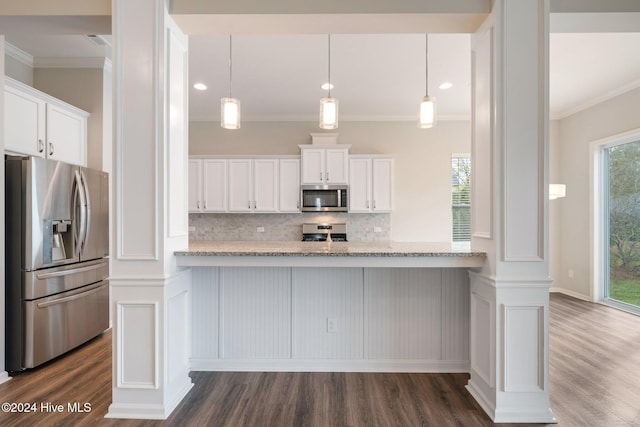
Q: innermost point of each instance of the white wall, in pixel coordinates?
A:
(82, 88)
(572, 140)
(422, 161)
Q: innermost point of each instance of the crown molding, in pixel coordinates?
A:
(73, 62)
(18, 54)
(593, 101)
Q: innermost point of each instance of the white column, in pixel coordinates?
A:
(510, 296)
(149, 294)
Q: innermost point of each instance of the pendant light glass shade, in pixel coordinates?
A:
(329, 105)
(230, 113)
(427, 110)
(230, 107)
(328, 113)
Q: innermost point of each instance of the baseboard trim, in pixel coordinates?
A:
(4, 377)
(571, 293)
(148, 411)
(324, 365)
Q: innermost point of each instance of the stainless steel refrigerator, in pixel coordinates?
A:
(57, 266)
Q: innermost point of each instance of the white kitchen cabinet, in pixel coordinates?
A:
(214, 185)
(207, 185)
(195, 185)
(289, 185)
(324, 165)
(37, 124)
(370, 184)
(253, 185)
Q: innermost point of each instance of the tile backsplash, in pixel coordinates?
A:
(285, 226)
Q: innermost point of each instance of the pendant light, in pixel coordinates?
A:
(230, 107)
(329, 105)
(427, 111)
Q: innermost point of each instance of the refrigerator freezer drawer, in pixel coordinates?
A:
(61, 322)
(41, 283)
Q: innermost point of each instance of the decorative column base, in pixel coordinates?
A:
(151, 341)
(510, 348)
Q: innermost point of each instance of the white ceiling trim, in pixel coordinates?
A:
(75, 62)
(346, 118)
(596, 100)
(18, 54)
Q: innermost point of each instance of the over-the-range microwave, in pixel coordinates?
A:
(324, 198)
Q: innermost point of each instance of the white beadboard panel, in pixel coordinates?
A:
(204, 312)
(137, 347)
(524, 348)
(255, 312)
(320, 294)
(455, 314)
(403, 313)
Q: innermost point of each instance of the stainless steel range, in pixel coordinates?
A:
(320, 232)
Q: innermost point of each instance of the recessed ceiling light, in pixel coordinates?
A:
(200, 86)
(446, 85)
(327, 86)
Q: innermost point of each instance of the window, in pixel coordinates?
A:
(461, 198)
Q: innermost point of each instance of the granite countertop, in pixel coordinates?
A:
(320, 249)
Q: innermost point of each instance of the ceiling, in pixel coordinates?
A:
(376, 77)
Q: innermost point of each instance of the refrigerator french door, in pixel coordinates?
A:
(57, 267)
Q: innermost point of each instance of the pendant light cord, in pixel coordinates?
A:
(426, 64)
(329, 62)
(230, 68)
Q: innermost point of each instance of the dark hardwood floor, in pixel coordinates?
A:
(594, 369)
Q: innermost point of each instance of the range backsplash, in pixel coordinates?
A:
(283, 226)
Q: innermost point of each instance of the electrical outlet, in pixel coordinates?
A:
(377, 229)
(260, 229)
(332, 325)
(192, 229)
(570, 274)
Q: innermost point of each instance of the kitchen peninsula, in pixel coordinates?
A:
(340, 306)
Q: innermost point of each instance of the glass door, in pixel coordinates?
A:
(622, 225)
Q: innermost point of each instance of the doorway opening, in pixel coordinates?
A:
(621, 224)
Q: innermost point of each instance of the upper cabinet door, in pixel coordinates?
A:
(66, 135)
(337, 166)
(24, 123)
(359, 185)
(313, 166)
(214, 189)
(382, 185)
(240, 186)
(265, 185)
(289, 185)
(195, 185)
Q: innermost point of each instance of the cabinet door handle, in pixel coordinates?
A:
(255, 205)
(51, 148)
(198, 204)
(367, 204)
(249, 204)
(374, 204)
(40, 146)
(327, 176)
(205, 206)
(320, 176)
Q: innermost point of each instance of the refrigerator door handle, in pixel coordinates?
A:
(81, 224)
(86, 208)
